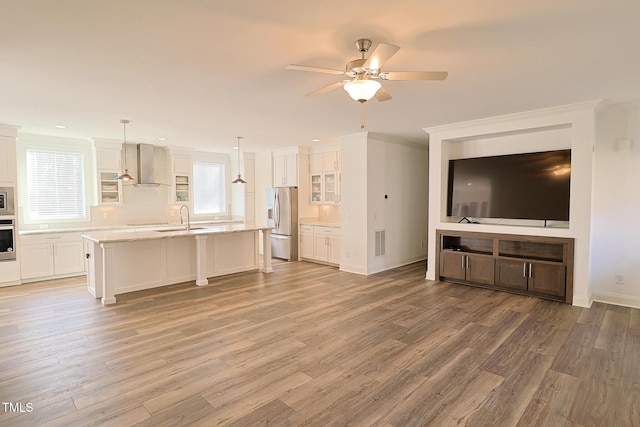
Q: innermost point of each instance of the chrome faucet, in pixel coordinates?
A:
(188, 219)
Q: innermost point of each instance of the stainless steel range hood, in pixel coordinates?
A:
(152, 166)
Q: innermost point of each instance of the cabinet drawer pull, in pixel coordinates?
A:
(524, 269)
(530, 270)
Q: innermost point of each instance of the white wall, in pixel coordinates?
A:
(353, 209)
(580, 119)
(616, 207)
(373, 167)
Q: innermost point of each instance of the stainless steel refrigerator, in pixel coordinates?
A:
(282, 215)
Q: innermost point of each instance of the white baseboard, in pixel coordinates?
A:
(617, 299)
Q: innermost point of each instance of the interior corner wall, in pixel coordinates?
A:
(616, 206)
(397, 202)
(580, 118)
(374, 167)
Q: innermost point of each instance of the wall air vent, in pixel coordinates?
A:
(380, 242)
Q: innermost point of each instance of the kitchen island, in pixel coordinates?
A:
(121, 262)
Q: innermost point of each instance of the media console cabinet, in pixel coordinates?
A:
(528, 265)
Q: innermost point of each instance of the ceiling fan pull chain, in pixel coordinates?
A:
(362, 115)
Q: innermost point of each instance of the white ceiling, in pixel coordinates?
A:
(201, 72)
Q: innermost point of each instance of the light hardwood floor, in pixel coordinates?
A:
(309, 345)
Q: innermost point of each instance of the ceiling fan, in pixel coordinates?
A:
(364, 73)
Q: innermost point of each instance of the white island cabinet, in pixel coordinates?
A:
(124, 262)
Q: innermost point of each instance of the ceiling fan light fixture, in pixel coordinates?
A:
(362, 90)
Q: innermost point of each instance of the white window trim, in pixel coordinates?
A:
(26, 141)
(205, 157)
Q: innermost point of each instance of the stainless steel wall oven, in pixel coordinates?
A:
(7, 240)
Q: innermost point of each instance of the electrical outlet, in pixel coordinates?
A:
(105, 215)
(421, 245)
(346, 254)
(620, 279)
(172, 212)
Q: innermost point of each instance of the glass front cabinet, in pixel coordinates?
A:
(331, 187)
(109, 187)
(182, 188)
(316, 188)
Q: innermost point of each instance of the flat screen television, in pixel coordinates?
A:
(516, 186)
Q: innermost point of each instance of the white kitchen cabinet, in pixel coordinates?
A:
(109, 167)
(285, 170)
(331, 187)
(320, 243)
(181, 163)
(331, 161)
(109, 158)
(36, 260)
(315, 163)
(51, 255)
(68, 258)
(316, 188)
(182, 187)
(8, 160)
(110, 187)
(325, 176)
(306, 241)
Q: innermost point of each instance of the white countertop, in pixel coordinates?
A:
(318, 221)
(126, 227)
(115, 236)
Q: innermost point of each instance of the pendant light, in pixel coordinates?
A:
(239, 179)
(125, 175)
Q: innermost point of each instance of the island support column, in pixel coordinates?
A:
(201, 260)
(108, 287)
(266, 251)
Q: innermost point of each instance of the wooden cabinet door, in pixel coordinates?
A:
(480, 269)
(452, 265)
(511, 274)
(547, 279)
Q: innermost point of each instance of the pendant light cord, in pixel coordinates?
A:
(124, 143)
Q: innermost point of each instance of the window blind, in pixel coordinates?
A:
(55, 184)
(208, 188)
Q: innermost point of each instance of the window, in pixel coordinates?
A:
(208, 188)
(55, 184)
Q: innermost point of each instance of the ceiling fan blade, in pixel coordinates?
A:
(380, 55)
(314, 69)
(328, 88)
(382, 95)
(414, 75)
